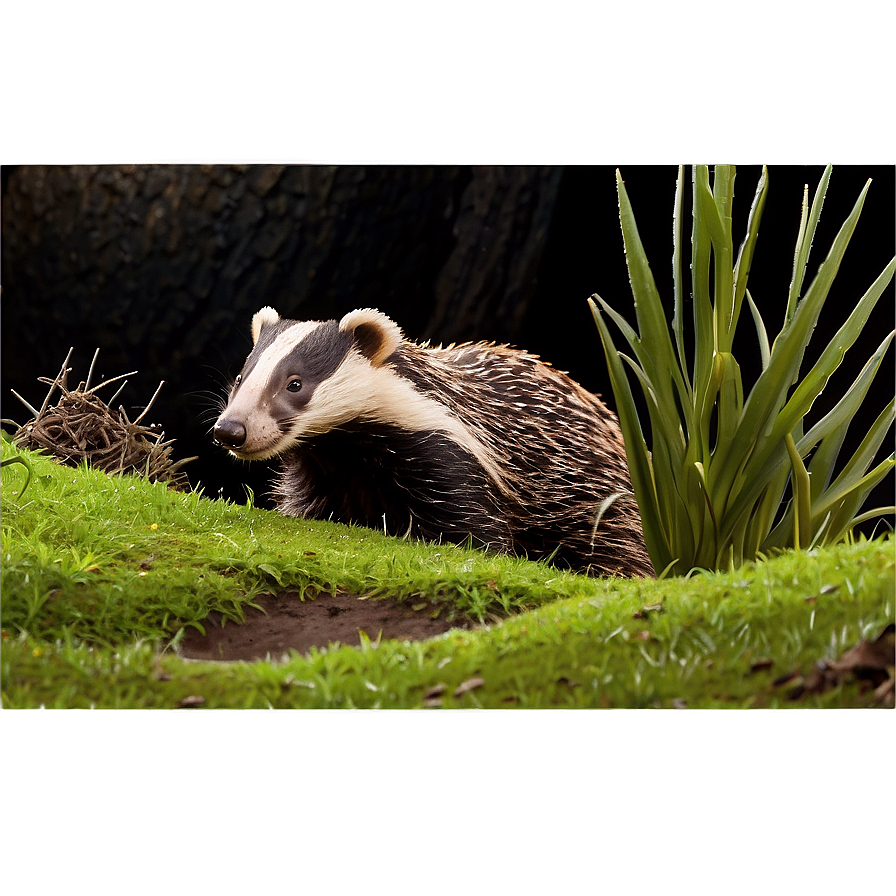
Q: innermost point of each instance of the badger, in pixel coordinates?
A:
(474, 442)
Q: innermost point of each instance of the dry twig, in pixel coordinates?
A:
(81, 427)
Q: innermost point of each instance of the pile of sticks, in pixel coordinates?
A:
(81, 427)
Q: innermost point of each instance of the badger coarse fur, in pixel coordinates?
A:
(445, 443)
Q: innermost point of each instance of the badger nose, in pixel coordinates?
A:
(230, 433)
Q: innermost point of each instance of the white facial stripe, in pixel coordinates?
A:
(276, 351)
(254, 389)
(252, 403)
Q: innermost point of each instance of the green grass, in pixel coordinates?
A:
(725, 453)
(100, 572)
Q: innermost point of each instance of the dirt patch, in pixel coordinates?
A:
(288, 622)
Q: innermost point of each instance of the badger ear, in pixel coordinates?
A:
(261, 319)
(375, 335)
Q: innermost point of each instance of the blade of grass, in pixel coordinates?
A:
(723, 299)
(663, 424)
(845, 503)
(636, 448)
(832, 428)
(813, 383)
(802, 502)
(804, 241)
(829, 431)
(849, 490)
(866, 452)
(677, 316)
(665, 461)
(731, 396)
(872, 514)
(704, 332)
(770, 391)
(653, 329)
(747, 249)
(762, 336)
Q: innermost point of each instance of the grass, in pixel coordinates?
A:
(103, 558)
(101, 572)
(725, 453)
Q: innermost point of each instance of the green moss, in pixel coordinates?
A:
(100, 572)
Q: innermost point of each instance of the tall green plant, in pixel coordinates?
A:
(711, 486)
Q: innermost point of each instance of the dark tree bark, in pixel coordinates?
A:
(162, 266)
(501, 231)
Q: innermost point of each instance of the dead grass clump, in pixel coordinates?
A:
(81, 427)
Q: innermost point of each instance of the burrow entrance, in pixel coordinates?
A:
(286, 622)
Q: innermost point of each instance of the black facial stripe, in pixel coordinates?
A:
(314, 359)
(268, 334)
(320, 352)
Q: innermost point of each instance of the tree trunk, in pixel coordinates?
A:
(486, 284)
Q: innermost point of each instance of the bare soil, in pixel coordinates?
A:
(286, 622)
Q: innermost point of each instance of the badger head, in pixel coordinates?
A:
(305, 378)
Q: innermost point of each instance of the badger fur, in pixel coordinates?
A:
(475, 440)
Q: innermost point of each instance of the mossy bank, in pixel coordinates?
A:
(103, 576)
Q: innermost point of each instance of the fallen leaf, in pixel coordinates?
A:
(679, 703)
(870, 659)
(469, 685)
(434, 701)
(761, 664)
(785, 678)
(870, 662)
(816, 682)
(435, 691)
(147, 562)
(191, 702)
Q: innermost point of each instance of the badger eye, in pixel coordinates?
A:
(238, 380)
(294, 385)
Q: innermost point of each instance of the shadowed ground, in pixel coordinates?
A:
(289, 623)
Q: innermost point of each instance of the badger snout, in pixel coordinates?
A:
(230, 433)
